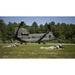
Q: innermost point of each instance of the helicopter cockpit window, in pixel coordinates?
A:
(49, 36)
(24, 34)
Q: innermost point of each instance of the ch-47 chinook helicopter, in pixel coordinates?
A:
(23, 36)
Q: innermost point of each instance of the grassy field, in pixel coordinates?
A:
(34, 51)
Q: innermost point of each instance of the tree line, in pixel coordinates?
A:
(63, 32)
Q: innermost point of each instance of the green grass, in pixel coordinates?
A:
(33, 51)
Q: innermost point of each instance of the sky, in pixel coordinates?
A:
(39, 19)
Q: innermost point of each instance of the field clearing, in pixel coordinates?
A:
(32, 50)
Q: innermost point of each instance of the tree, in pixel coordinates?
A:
(34, 28)
(10, 30)
(46, 27)
(41, 28)
(2, 30)
(52, 23)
